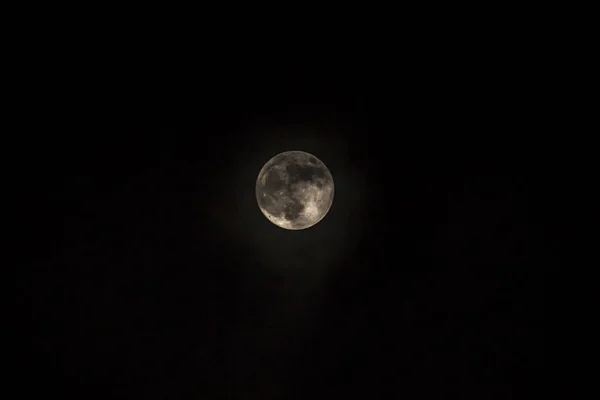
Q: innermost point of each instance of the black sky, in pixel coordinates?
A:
(153, 274)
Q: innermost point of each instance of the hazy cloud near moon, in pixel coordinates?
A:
(286, 274)
(241, 225)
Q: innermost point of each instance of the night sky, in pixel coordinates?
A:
(151, 272)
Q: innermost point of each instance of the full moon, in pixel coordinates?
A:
(294, 190)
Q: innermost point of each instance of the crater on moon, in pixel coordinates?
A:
(294, 190)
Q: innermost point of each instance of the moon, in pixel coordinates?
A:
(294, 190)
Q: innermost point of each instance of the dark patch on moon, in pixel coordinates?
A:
(320, 173)
(292, 210)
(307, 173)
(274, 182)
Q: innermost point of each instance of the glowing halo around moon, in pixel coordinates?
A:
(294, 190)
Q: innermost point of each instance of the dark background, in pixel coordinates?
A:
(151, 272)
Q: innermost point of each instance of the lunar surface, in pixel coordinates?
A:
(294, 190)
